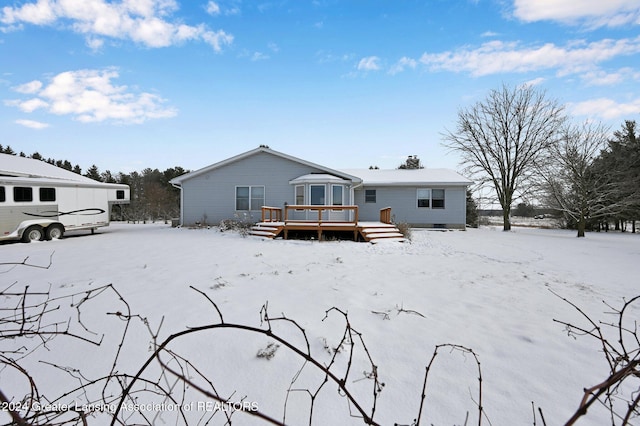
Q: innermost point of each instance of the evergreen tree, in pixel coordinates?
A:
(108, 177)
(472, 210)
(93, 173)
(620, 164)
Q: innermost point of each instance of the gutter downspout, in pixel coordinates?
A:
(352, 189)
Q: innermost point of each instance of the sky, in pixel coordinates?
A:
(131, 84)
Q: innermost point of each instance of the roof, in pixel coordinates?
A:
(318, 177)
(22, 169)
(413, 177)
(263, 149)
(13, 165)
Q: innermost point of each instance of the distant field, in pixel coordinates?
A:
(546, 223)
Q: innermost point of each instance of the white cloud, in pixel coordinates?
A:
(142, 21)
(402, 64)
(31, 87)
(606, 108)
(324, 57)
(602, 78)
(228, 7)
(94, 44)
(32, 124)
(498, 57)
(273, 47)
(259, 56)
(370, 63)
(91, 96)
(213, 8)
(535, 82)
(593, 13)
(29, 105)
(40, 13)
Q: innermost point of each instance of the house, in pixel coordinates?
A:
(241, 185)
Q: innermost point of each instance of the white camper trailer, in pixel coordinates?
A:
(40, 201)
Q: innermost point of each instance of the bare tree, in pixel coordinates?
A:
(571, 184)
(501, 138)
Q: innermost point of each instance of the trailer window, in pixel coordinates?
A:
(3, 197)
(120, 194)
(22, 193)
(47, 194)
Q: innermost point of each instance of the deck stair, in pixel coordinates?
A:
(266, 229)
(377, 232)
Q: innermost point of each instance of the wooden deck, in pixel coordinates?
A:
(273, 225)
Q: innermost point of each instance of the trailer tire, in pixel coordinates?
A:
(55, 231)
(33, 233)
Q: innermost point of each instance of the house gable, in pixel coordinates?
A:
(264, 150)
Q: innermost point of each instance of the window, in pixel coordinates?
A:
(257, 197)
(249, 197)
(120, 194)
(299, 195)
(3, 197)
(369, 195)
(22, 193)
(47, 194)
(424, 197)
(337, 195)
(317, 195)
(242, 197)
(437, 198)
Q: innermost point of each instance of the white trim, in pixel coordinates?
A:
(418, 198)
(295, 194)
(250, 209)
(324, 187)
(341, 193)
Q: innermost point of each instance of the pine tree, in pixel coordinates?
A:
(93, 173)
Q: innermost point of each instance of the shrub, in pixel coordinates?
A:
(405, 229)
(241, 223)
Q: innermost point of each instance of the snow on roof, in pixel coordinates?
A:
(397, 177)
(27, 171)
(13, 165)
(318, 177)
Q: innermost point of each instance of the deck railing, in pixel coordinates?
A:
(385, 215)
(271, 214)
(351, 210)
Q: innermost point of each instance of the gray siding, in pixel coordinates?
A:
(404, 206)
(210, 197)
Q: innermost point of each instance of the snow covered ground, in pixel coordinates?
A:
(484, 289)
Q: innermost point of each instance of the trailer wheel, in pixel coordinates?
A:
(55, 231)
(33, 233)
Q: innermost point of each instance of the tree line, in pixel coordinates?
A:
(152, 196)
(520, 143)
